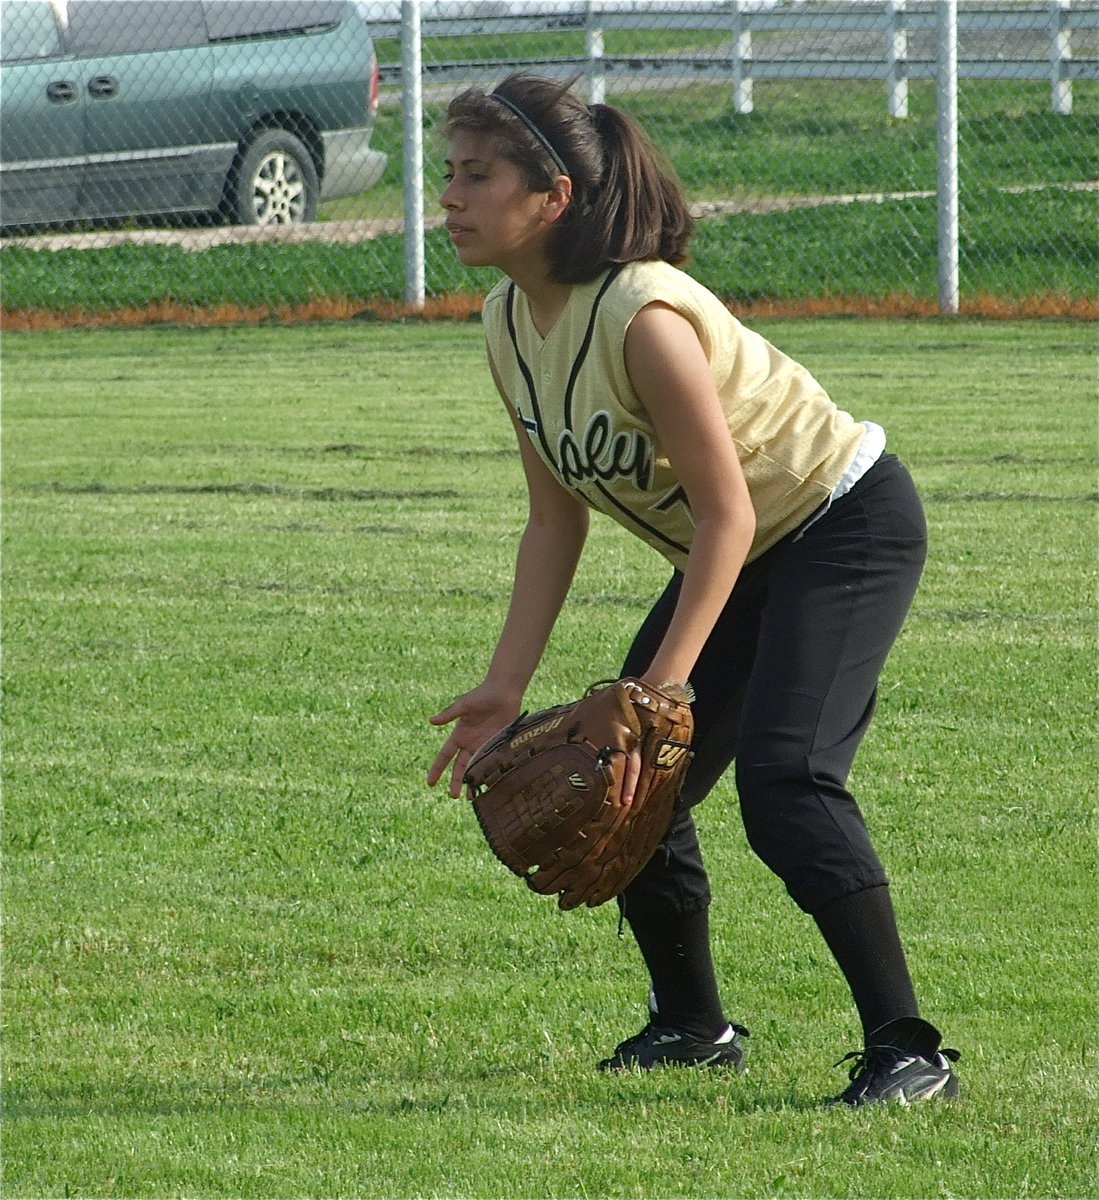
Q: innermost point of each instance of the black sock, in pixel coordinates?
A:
(861, 932)
(677, 954)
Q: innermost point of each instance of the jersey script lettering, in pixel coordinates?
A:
(602, 454)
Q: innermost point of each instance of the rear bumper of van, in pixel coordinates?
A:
(350, 166)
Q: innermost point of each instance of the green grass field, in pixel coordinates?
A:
(248, 954)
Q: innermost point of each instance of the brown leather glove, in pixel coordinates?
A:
(547, 790)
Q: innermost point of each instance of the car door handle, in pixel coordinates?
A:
(103, 85)
(61, 91)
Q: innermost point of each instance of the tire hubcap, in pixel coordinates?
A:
(278, 190)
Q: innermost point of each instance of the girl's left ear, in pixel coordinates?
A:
(558, 198)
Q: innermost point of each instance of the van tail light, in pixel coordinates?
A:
(373, 84)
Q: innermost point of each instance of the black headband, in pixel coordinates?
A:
(539, 136)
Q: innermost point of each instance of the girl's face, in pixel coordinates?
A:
(493, 218)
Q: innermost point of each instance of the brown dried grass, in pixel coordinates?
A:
(466, 306)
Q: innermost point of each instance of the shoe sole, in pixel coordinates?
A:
(946, 1089)
(715, 1060)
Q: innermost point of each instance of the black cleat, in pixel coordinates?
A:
(902, 1064)
(663, 1046)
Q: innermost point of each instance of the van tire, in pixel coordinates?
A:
(274, 182)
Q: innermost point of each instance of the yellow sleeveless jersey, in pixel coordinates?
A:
(572, 395)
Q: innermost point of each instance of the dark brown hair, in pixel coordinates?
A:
(626, 202)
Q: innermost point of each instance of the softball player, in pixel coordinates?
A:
(795, 541)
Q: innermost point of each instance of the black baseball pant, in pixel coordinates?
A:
(786, 687)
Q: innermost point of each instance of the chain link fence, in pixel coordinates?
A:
(808, 134)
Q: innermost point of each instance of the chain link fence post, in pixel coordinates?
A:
(412, 142)
(947, 144)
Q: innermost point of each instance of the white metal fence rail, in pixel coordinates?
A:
(891, 40)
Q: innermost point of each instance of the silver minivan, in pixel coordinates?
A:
(139, 108)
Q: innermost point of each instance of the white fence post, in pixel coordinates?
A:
(947, 144)
(897, 51)
(742, 60)
(1060, 52)
(593, 38)
(412, 130)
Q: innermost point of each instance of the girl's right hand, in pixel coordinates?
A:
(479, 714)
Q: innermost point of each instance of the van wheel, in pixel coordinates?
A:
(275, 182)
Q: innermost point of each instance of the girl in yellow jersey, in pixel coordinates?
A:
(795, 541)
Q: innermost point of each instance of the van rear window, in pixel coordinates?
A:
(28, 32)
(234, 20)
(130, 26)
